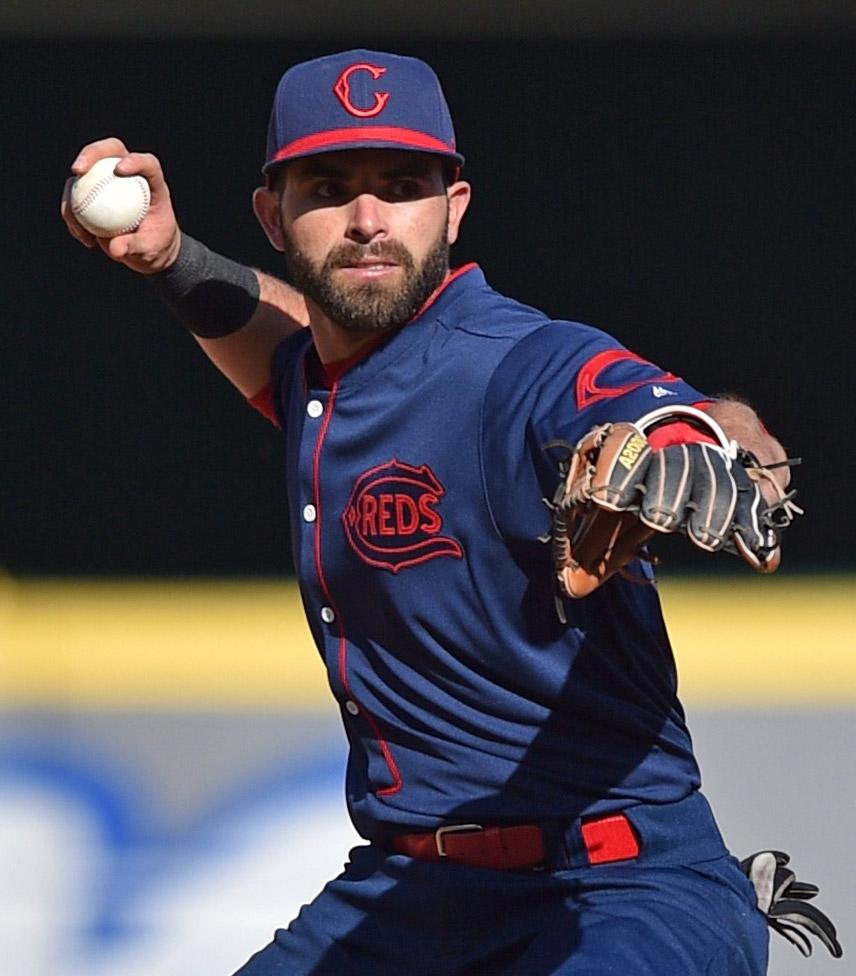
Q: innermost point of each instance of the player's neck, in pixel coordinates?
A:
(333, 343)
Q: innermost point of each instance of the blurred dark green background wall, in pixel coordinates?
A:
(694, 195)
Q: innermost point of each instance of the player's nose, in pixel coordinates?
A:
(367, 218)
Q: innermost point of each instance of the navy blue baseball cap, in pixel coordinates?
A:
(359, 100)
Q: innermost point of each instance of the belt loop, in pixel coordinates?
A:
(611, 838)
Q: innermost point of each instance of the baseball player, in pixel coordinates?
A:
(523, 777)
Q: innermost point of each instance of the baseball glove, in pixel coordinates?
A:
(784, 901)
(615, 492)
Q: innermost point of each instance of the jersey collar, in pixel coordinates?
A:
(444, 287)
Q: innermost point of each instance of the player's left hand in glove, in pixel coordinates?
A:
(784, 901)
(616, 492)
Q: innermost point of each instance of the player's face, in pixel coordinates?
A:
(366, 233)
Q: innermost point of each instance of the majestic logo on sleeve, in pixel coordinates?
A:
(590, 381)
(392, 519)
(342, 88)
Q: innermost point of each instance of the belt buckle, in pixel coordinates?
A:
(441, 832)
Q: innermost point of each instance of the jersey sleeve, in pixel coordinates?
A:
(553, 386)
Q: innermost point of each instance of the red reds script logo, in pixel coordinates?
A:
(392, 519)
(342, 88)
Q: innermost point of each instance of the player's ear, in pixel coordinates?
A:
(267, 210)
(458, 194)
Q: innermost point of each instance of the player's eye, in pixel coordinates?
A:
(406, 188)
(328, 190)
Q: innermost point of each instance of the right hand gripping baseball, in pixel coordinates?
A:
(155, 244)
(616, 493)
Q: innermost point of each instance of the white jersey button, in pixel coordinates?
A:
(327, 615)
(352, 708)
(309, 513)
(315, 408)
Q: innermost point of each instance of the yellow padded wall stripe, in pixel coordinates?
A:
(739, 641)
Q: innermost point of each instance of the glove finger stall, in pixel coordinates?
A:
(793, 935)
(714, 498)
(795, 914)
(668, 488)
(754, 540)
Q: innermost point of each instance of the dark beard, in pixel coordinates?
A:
(369, 307)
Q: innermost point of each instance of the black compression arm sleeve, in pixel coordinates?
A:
(212, 295)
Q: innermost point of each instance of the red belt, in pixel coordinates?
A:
(606, 839)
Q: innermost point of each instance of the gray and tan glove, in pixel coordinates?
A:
(616, 492)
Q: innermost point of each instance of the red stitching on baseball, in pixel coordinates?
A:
(139, 181)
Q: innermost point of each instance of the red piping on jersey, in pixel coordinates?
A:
(335, 370)
(410, 138)
(453, 276)
(588, 391)
(343, 639)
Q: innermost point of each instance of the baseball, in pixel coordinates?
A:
(108, 205)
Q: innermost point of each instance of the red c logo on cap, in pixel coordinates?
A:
(342, 89)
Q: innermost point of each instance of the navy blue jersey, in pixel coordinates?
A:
(415, 486)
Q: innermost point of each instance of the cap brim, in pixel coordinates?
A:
(366, 137)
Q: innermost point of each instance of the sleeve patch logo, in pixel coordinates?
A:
(589, 387)
(392, 519)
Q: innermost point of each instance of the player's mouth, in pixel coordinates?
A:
(369, 269)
